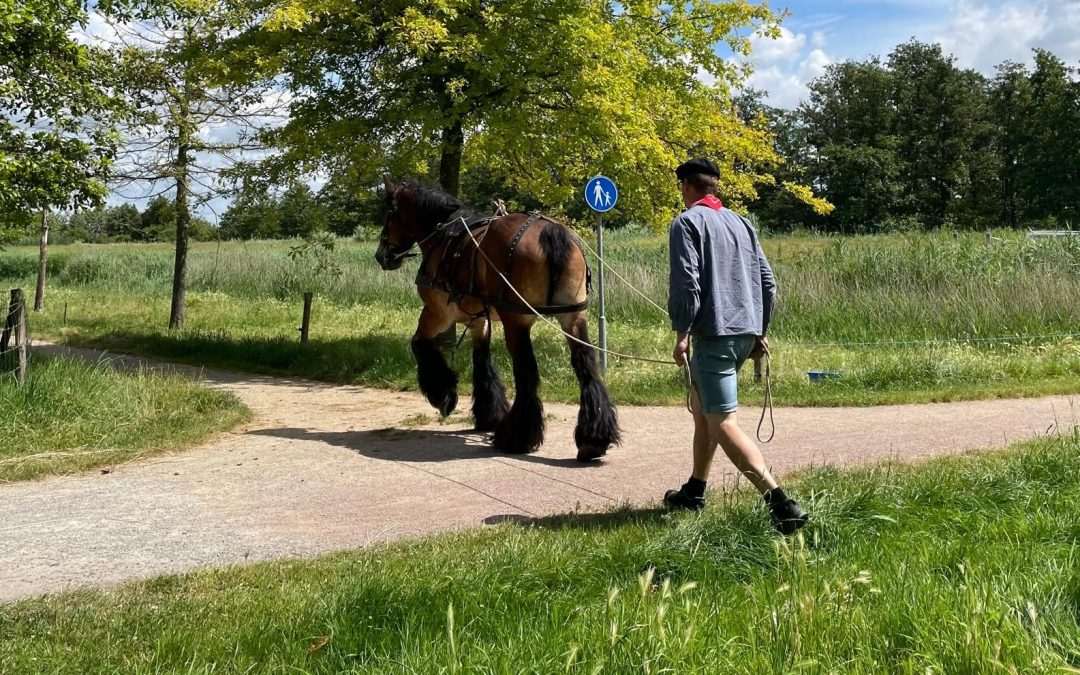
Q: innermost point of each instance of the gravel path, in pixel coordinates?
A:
(323, 468)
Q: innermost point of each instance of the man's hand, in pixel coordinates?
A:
(682, 349)
(761, 348)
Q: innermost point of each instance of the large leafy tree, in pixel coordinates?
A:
(939, 110)
(174, 67)
(51, 88)
(853, 152)
(1011, 111)
(540, 93)
(56, 140)
(1051, 170)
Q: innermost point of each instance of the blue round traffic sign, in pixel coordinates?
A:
(601, 194)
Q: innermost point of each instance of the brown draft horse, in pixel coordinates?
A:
(459, 285)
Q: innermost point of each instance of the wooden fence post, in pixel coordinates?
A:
(16, 334)
(305, 325)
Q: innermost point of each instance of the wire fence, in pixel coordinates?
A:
(15, 339)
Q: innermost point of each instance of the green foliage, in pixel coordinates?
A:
(158, 221)
(70, 416)
(126, 223)
(297, 213)
(538, 95)
(50, 86)
(918, 143)
(104, 224)
(315, 266)
(965, 565)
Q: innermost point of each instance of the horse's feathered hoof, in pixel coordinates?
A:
(448, 405)
(587, 455)
(520, 432)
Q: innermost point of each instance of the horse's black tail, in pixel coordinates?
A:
(558, 245)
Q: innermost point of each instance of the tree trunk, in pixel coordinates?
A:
(453, 146)
(43, 262)
(183, 215)
(183, 218)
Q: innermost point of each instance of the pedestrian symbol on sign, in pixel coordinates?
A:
(601, 194)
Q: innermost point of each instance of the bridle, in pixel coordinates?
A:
(407, 251)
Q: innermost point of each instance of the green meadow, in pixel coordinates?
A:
(901, 318)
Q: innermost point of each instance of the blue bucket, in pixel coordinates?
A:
(822, 375)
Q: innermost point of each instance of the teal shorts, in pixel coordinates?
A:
(714, 364)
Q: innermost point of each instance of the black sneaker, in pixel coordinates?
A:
(787, 515)
(679, 499)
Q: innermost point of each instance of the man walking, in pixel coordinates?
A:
(721, 293)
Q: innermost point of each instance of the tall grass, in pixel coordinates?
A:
(70, 416)
(878, 290)
(965, 565)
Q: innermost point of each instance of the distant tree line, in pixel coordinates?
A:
(123, 223)
(914, 142)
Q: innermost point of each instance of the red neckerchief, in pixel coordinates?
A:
(710, 201)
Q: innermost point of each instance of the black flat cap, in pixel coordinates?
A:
(695, 167)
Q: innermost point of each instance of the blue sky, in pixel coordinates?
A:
(980, 34)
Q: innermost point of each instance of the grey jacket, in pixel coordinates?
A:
(721, 283)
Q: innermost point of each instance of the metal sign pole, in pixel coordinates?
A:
(601, 194)
(600, 288)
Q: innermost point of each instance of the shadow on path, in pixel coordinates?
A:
(417, 445)
(605, 520)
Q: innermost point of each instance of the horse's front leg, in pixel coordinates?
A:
(435, 377)
(489, 395)
(522, 430)
(598, 424)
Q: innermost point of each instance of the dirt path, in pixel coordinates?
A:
(323, 468)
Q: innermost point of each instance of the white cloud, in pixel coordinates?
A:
(768, 50)
(982, 34)
(783, 67)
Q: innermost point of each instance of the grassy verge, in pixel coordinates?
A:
(836, 294)
(965, 565)
(70, 416)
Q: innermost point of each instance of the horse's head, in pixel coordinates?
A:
(400, 227)
(414, 214)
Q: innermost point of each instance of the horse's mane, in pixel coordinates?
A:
(434, 205)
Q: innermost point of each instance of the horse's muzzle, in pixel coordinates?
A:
(387, 259)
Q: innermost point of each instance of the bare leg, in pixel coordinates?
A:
(721, 429)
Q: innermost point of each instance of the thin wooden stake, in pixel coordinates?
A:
(9, 322)
(22, 339)
(305, 325)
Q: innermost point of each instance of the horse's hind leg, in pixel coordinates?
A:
(522, 430)
(597, 426)
(489, 395)
(435, 377)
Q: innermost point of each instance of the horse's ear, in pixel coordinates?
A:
(389, 186)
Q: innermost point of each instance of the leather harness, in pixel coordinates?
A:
(458, 249)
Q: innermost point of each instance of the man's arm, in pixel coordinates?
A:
(684, 286)
(768, 289)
